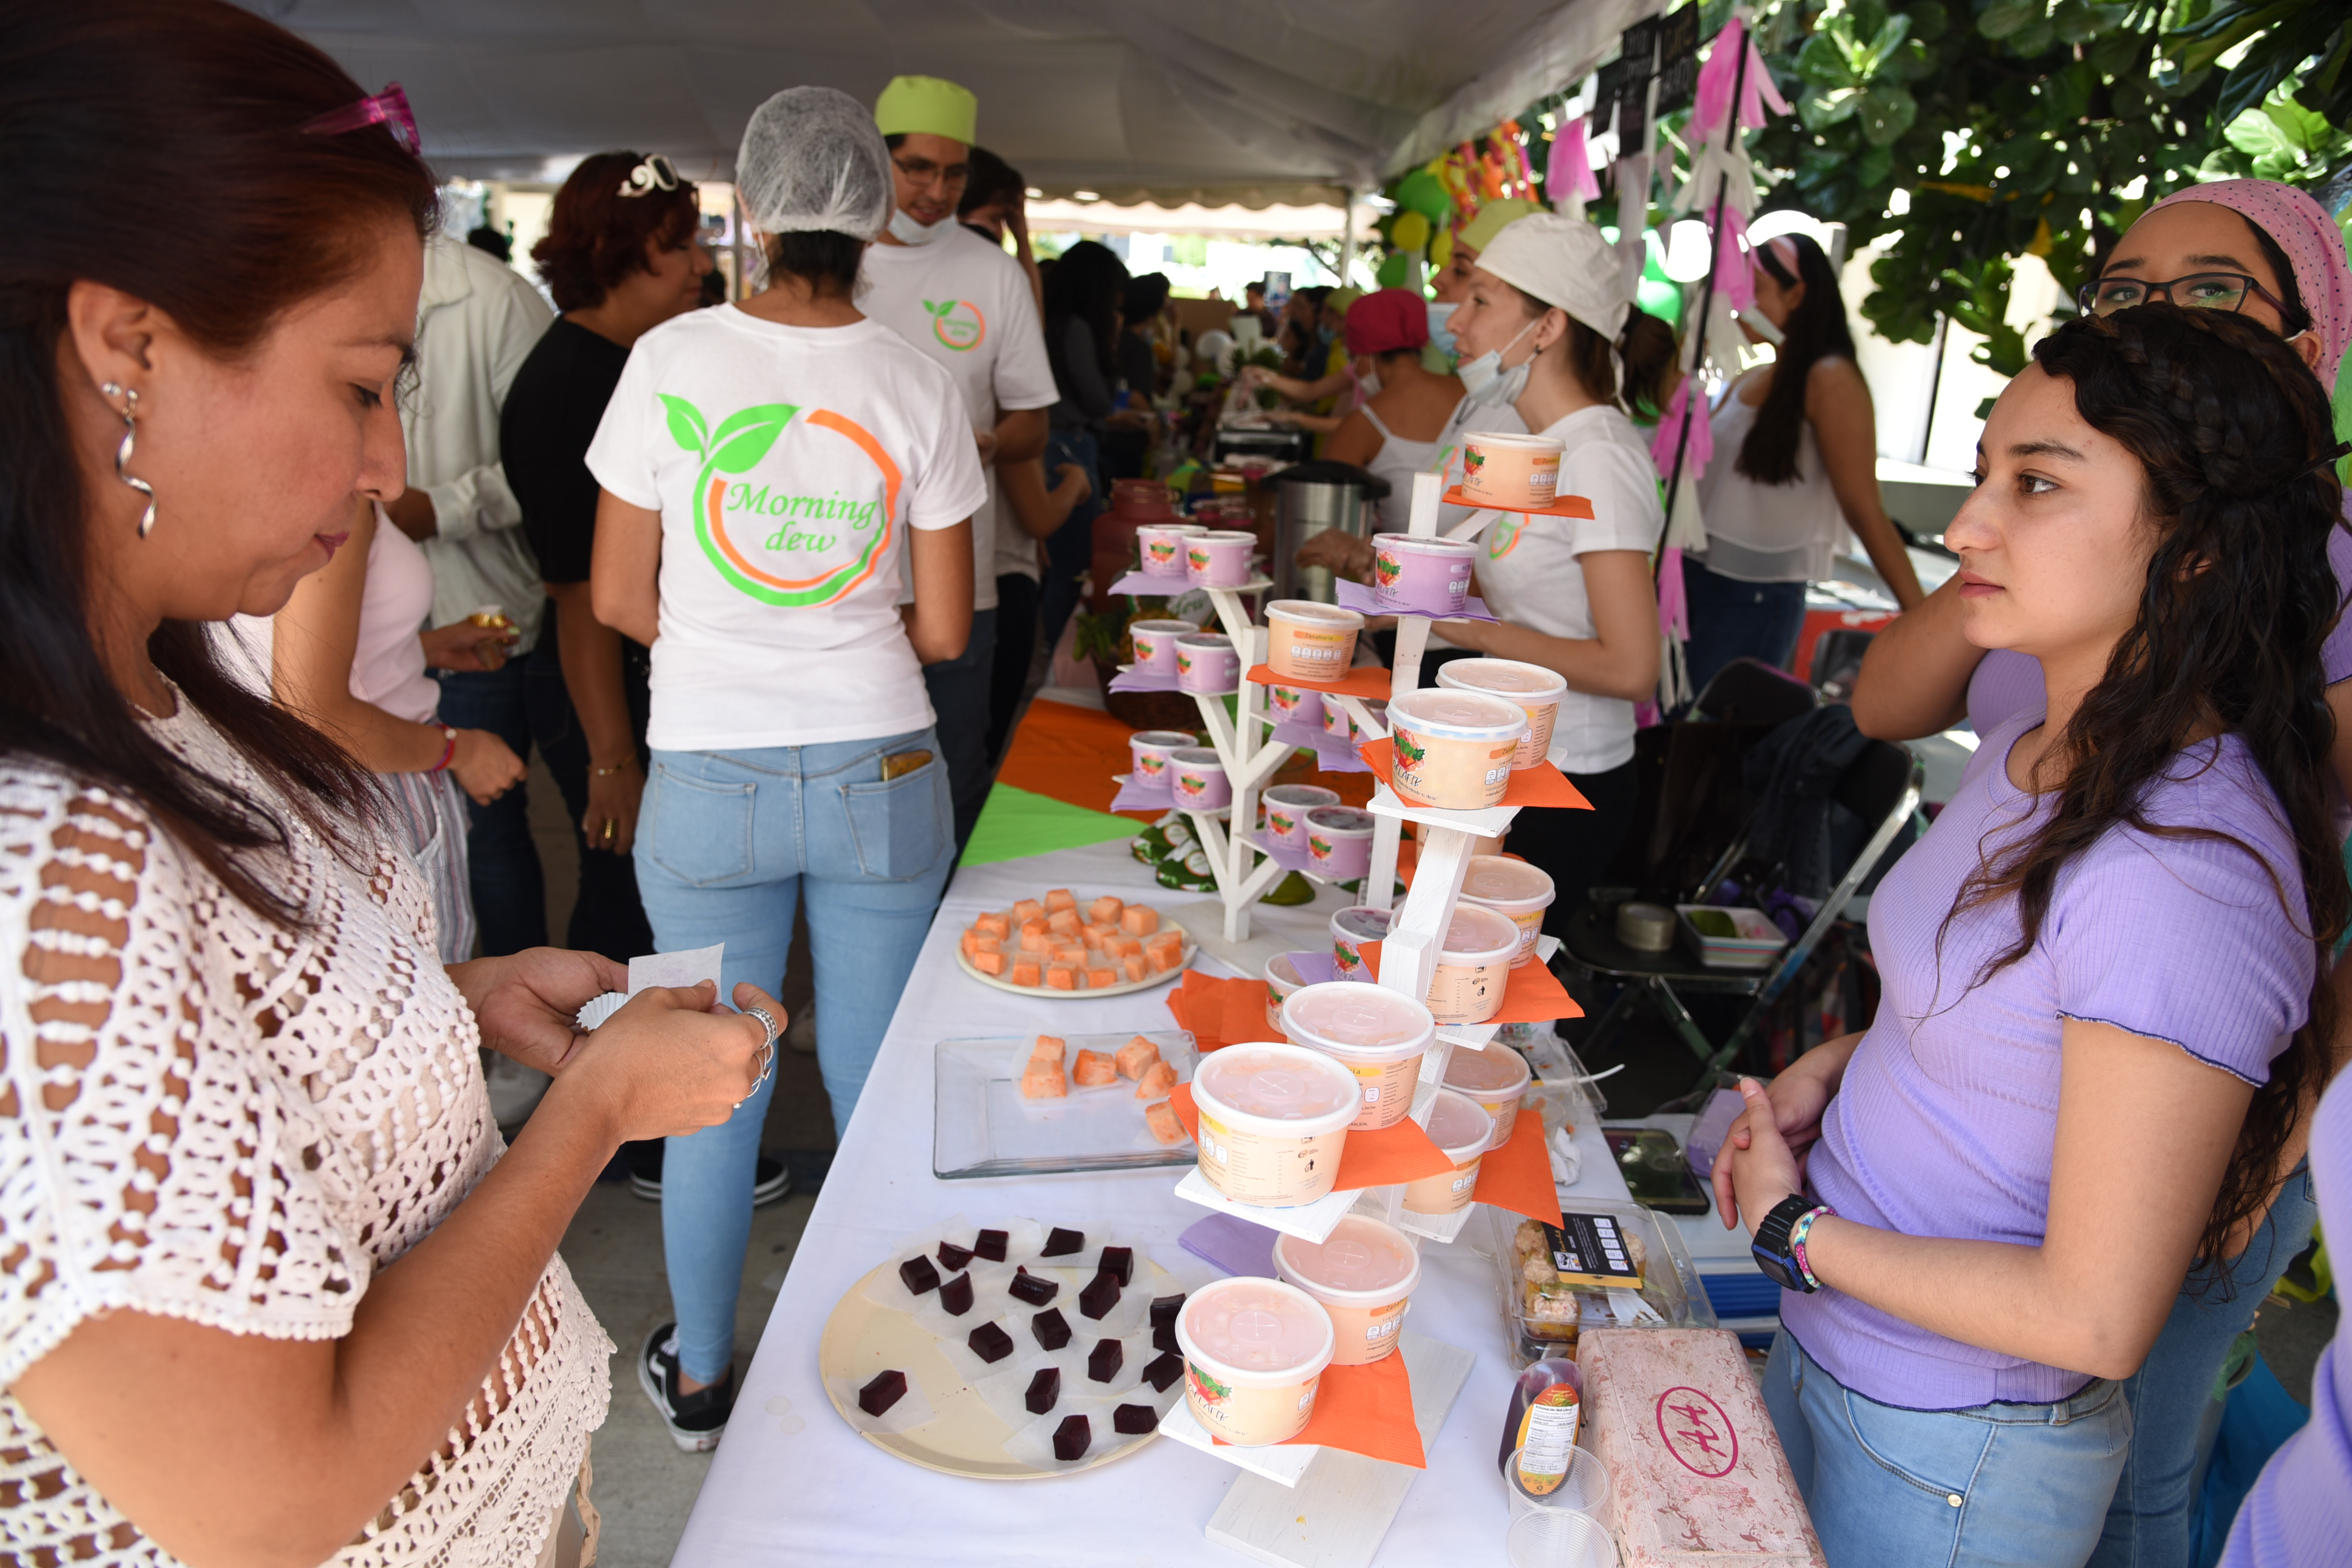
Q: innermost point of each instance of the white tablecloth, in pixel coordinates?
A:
(792, 1484)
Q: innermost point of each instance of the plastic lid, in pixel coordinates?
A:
(1199, 756)
(1351, 1014)
(1302, 795)
(1163, 627)
(1258, 1325)
(1205, 639)
(1171, 528)
(1476, 933)
(1517, 438)
(1308, 610)
(1164, 738)
(1449, 713)
(1342, 819)
(1506, 677)
(1229, 535)
(1486, 1069)
(1362, 923)
(1459, 1125)
(1274, 1082)
(1497, 879)
(1361, 1254)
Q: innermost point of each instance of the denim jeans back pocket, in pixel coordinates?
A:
(697, 830)
(900, 826)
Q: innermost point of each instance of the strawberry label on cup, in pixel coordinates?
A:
(1320, 848)
(1162, 551)
(1386, 568)
(1282, 823)
(1151, 765)
(1199, 556)
(1191, 783)
(1411, 755)
(1183, 662)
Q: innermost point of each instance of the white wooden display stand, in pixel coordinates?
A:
(1350, 1499)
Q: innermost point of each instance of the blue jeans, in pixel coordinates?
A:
(2021, 1485)
(2151, 1522)
(1730, 619)
(726, 842)
(510, 893)
(960, 696)
(1069, 548)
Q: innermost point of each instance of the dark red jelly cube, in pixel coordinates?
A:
(990, 1244)
(919, 1275)
(1103, 1364)
(1164, 1310)
(1100, 1295)
(1118, 1260)
(1045, 1390)
(990, 1343)
(886, 1389)
(1072, 1438)
(1060, 1243)
(1032, 1288)
(1052, 1328)
(1132, 1420)
(1164, 1340)
(956, 1295)
(1162, 1371)
(953, 1258)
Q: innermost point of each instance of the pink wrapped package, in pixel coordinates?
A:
(1696, 1474)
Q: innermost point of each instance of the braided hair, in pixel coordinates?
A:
(2232, 432)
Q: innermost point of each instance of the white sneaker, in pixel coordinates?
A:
(514, 1090)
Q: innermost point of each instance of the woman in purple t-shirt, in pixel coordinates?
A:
(2102, 1013)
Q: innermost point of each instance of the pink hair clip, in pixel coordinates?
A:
(388, 109)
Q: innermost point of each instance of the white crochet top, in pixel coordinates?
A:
(204, 1116)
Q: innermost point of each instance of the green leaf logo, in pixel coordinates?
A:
(743, 439)
(1405, 749)
(687, 427)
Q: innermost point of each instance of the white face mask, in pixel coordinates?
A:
(1440, 312)
(1486, 381)
(906, 231)
(1368, 382)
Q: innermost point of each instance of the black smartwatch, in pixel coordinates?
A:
(1774, 1253)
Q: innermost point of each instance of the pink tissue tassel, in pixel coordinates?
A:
(1733, 281)
(1570, 168)
(1700, 449)
(1756, 93)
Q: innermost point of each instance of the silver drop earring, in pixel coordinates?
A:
(122, 453)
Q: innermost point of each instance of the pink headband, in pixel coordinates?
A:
(2314, 248)
(388, 109)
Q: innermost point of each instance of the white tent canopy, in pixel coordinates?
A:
(1211, 100)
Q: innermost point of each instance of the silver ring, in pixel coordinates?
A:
(767, 1047)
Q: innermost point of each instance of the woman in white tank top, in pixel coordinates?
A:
(1795, 466)
(1404, 406)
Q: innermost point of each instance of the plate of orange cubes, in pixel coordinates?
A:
(1042, 1104)
(1055, 947)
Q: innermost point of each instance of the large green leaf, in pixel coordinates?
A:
(743, 439)
(1823, 63)
(687, 425)
(2003, 17)
(2034, 39)
(1819, 109)
(1886, 112)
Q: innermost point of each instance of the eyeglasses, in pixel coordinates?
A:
(656, 174)
(2200, 291)
(923, 172)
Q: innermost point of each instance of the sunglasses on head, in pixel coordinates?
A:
(656, 174)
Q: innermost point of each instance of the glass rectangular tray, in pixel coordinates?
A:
(983, 1127)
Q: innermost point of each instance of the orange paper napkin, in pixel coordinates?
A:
(1369, 681)
(1541, 786)
(1532, 995)
(1386, 1158)
(1518, 1176)
(1217, 1011)
(1564, 506)
(1366, 1410)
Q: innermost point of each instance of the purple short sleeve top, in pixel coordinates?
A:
(1947, 1115)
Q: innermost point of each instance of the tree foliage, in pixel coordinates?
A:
(2035, 127)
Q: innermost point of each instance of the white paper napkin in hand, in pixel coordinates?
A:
(681, 969)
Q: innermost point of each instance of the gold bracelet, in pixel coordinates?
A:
(596, 773)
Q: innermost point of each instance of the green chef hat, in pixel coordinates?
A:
(924, 105)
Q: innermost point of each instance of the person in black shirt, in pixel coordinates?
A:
(620, 258)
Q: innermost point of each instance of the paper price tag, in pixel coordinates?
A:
(677, 969)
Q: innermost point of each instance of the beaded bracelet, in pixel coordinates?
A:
(1797, 1234)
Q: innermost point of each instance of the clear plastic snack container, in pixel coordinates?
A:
(1544, 1319)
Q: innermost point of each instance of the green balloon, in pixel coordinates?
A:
(1424, 193)
(1659, 297)
(1390, 274)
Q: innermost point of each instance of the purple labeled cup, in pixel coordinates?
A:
(1422, 576)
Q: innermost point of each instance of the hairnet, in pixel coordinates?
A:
(811, 159)
(2314, 247)
(1562, 262)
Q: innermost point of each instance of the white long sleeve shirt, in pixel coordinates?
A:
(477, 320)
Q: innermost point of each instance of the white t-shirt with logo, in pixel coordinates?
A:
(787, 464)
(966, 304)
(1528, 574)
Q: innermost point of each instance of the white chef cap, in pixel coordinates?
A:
(1562, 262)
(811, 159)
